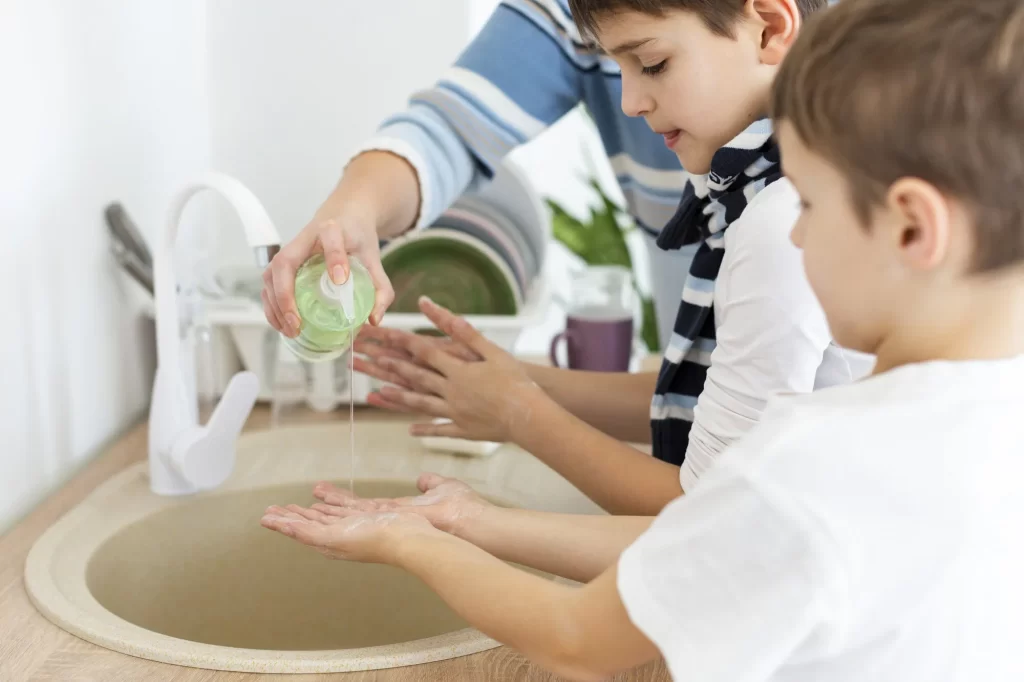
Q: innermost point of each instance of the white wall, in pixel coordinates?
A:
(297, 86)
(103, 100)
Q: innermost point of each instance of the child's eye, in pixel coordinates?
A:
(655, 69)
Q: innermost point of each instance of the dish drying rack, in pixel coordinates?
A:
(243, 339)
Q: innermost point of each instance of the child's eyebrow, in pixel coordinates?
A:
(630, 46)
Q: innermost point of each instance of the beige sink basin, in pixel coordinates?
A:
(196, 581)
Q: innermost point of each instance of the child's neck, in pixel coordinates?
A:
(981, 320)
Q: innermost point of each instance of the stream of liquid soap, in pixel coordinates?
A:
(351, 421)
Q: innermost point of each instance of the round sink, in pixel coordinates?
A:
(207, 572)
(197, 581)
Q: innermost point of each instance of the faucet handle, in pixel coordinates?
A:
(206, 456)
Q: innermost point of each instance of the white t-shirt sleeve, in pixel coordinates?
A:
(771, 331)
(728, 583)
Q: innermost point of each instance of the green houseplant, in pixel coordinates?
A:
(601, 240)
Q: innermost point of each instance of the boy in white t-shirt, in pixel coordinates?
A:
(865, 532)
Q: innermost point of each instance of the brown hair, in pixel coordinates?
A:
(718, 15)
(886, 89)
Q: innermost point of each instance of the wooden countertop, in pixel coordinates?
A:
(33, 649)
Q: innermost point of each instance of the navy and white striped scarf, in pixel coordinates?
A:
(709, 205)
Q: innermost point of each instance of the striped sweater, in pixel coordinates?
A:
(526, 69)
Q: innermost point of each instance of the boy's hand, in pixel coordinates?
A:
(369, 537)
(448, 504)
(379, 343)
(491, 398)
(338, 233)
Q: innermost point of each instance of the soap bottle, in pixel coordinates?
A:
(330, 314)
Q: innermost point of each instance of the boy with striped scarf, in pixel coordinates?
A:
(748, 326)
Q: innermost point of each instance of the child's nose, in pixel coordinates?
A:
(634, 101)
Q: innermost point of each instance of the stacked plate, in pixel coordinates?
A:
(481, 257)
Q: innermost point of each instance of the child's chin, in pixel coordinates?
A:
(693, 156)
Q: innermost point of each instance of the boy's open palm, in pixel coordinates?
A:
(369, 537)
(448, 504)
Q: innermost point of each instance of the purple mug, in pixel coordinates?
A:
(598, 341)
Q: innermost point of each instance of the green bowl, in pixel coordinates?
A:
(454, 270)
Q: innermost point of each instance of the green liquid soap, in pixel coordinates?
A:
(330, 320)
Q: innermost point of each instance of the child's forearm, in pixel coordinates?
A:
(621, 479)
(615, 403)
(574, 546)
(524, 611)
(547, 622)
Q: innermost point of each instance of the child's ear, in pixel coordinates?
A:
(779, 22)
(922, 223)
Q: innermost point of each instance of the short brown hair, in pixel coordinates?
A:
(719, 15)
(886, 89)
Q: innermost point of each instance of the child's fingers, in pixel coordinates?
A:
(428, 353)
(335, 512)
(394, 340)
(337, 500)
(311, 514)
(332, 494)
(428, 481)
(371, 333)
(418, 402)
(377, 400)
(373, 369)
(283, 521)
(387, 342)
(275, 523)
(459, 350)
(375, 350)
(309, 533)
(456, 328)
(414, 376)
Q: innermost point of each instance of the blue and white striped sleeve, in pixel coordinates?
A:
(520, 74)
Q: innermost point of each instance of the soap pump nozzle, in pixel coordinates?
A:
(343, 293)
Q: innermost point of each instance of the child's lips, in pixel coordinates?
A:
(671, 137)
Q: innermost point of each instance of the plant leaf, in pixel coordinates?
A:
(568, 230)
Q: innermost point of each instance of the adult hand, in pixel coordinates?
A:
(338, 233)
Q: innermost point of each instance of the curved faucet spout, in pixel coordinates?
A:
(184, 456)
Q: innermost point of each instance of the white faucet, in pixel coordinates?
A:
(184, 456)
